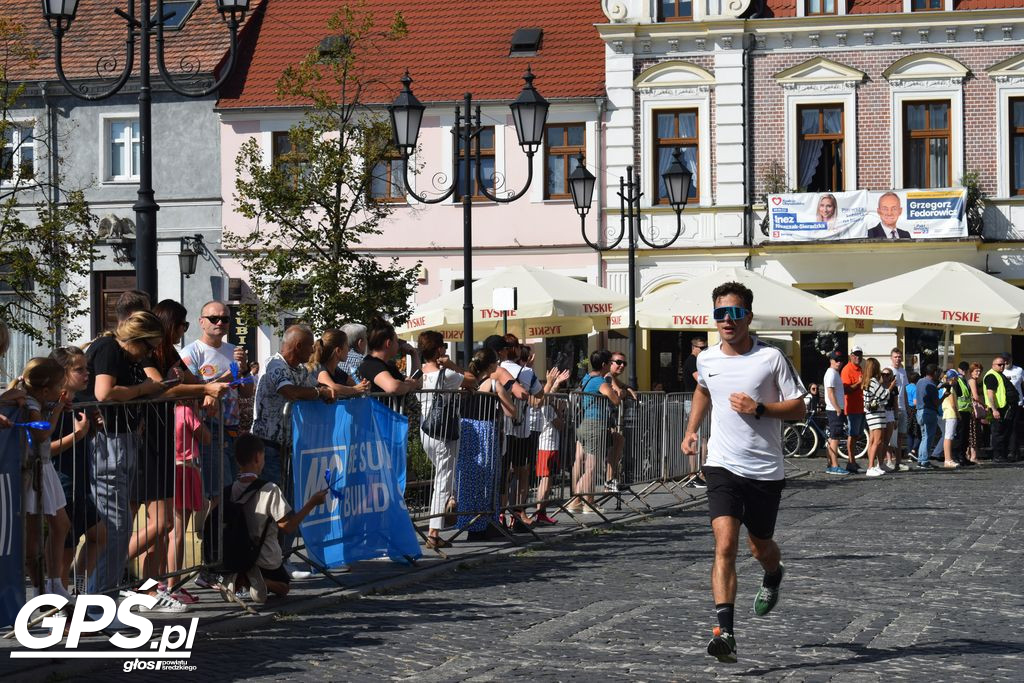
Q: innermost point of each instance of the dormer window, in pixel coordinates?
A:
(176, 13)
(675, 10)
(819, 7)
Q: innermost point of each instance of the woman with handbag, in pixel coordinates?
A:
(876, 395)
(439, 427)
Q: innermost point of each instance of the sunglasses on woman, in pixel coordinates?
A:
(734, 313)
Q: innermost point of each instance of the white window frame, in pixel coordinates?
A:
(500, 122)
(105, 171)
(1009, 78)
(1004, 93)
(16, 125)
(955, 96)
(675, 84)
(947, 6)
(820, 81)
(801, 9)
(590, 152)
(841, 95)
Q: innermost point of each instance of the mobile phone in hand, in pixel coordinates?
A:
(171, 381)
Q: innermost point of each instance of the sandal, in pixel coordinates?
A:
(435, 542)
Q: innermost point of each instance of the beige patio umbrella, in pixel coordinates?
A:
(951, 295)
(687, 305)
(948, 294)
(549, 305)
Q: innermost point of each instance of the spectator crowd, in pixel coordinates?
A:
(134, 441)
(953, 417)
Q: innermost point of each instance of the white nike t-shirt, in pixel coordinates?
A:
(744, 445)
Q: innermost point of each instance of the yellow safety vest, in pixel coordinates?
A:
(963, 401)
(1000, 391)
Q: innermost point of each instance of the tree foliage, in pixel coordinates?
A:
(44, 246)
(312, 205)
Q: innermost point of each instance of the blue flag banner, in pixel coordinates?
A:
(12, 560)
(357, 449)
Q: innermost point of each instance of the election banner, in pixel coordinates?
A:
(12, 558)
(357, 448)
(889, 215)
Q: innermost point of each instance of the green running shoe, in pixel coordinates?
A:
(767, 598)
(722, 646)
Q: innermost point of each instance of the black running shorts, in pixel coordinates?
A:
(755, 502)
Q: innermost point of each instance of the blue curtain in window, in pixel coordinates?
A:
(833, 120)
(808, 156)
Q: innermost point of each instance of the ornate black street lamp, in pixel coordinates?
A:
(529, 113)
(60, 14)
(188, 257)
(677, 181)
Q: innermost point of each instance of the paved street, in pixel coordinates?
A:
(906, 577)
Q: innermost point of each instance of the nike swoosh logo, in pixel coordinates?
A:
(714, 375)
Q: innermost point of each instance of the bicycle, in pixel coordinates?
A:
(802, 439)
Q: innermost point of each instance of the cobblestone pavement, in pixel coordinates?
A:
(905, 577)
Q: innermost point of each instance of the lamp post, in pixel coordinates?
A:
(677, 181)
(60, 14)
(529, 113)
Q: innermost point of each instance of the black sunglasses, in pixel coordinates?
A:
(618, 361)
(217, 319)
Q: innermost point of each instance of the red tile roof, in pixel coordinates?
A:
(97, 33)
(787, 8)
(452, 46)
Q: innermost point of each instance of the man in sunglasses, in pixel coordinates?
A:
(752, 388)
(209, 358)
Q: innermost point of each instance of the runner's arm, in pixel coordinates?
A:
(698, 407)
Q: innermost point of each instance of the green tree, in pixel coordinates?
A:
(312, 206)
(47, 238)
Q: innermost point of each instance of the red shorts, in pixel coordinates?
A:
(188, 488)
(547, 463)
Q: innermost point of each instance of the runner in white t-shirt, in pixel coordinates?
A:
(752, 388)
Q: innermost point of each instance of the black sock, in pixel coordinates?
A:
(772, 580)
(725, 614)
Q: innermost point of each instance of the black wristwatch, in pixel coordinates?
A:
(758, 411)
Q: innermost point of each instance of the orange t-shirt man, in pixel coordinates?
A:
(851, 376)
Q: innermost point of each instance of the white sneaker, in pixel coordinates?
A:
(295, 572)
(257, 586)
(875, 471)
(166, 604)
(55, 587)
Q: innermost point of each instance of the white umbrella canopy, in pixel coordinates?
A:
(949, 294)
(687, 305)
(549, 305)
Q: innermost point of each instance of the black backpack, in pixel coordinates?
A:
(240, 550)
(442, 422)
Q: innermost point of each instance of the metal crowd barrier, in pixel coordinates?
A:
(470, 467)
(454, 459)
(136, 479)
